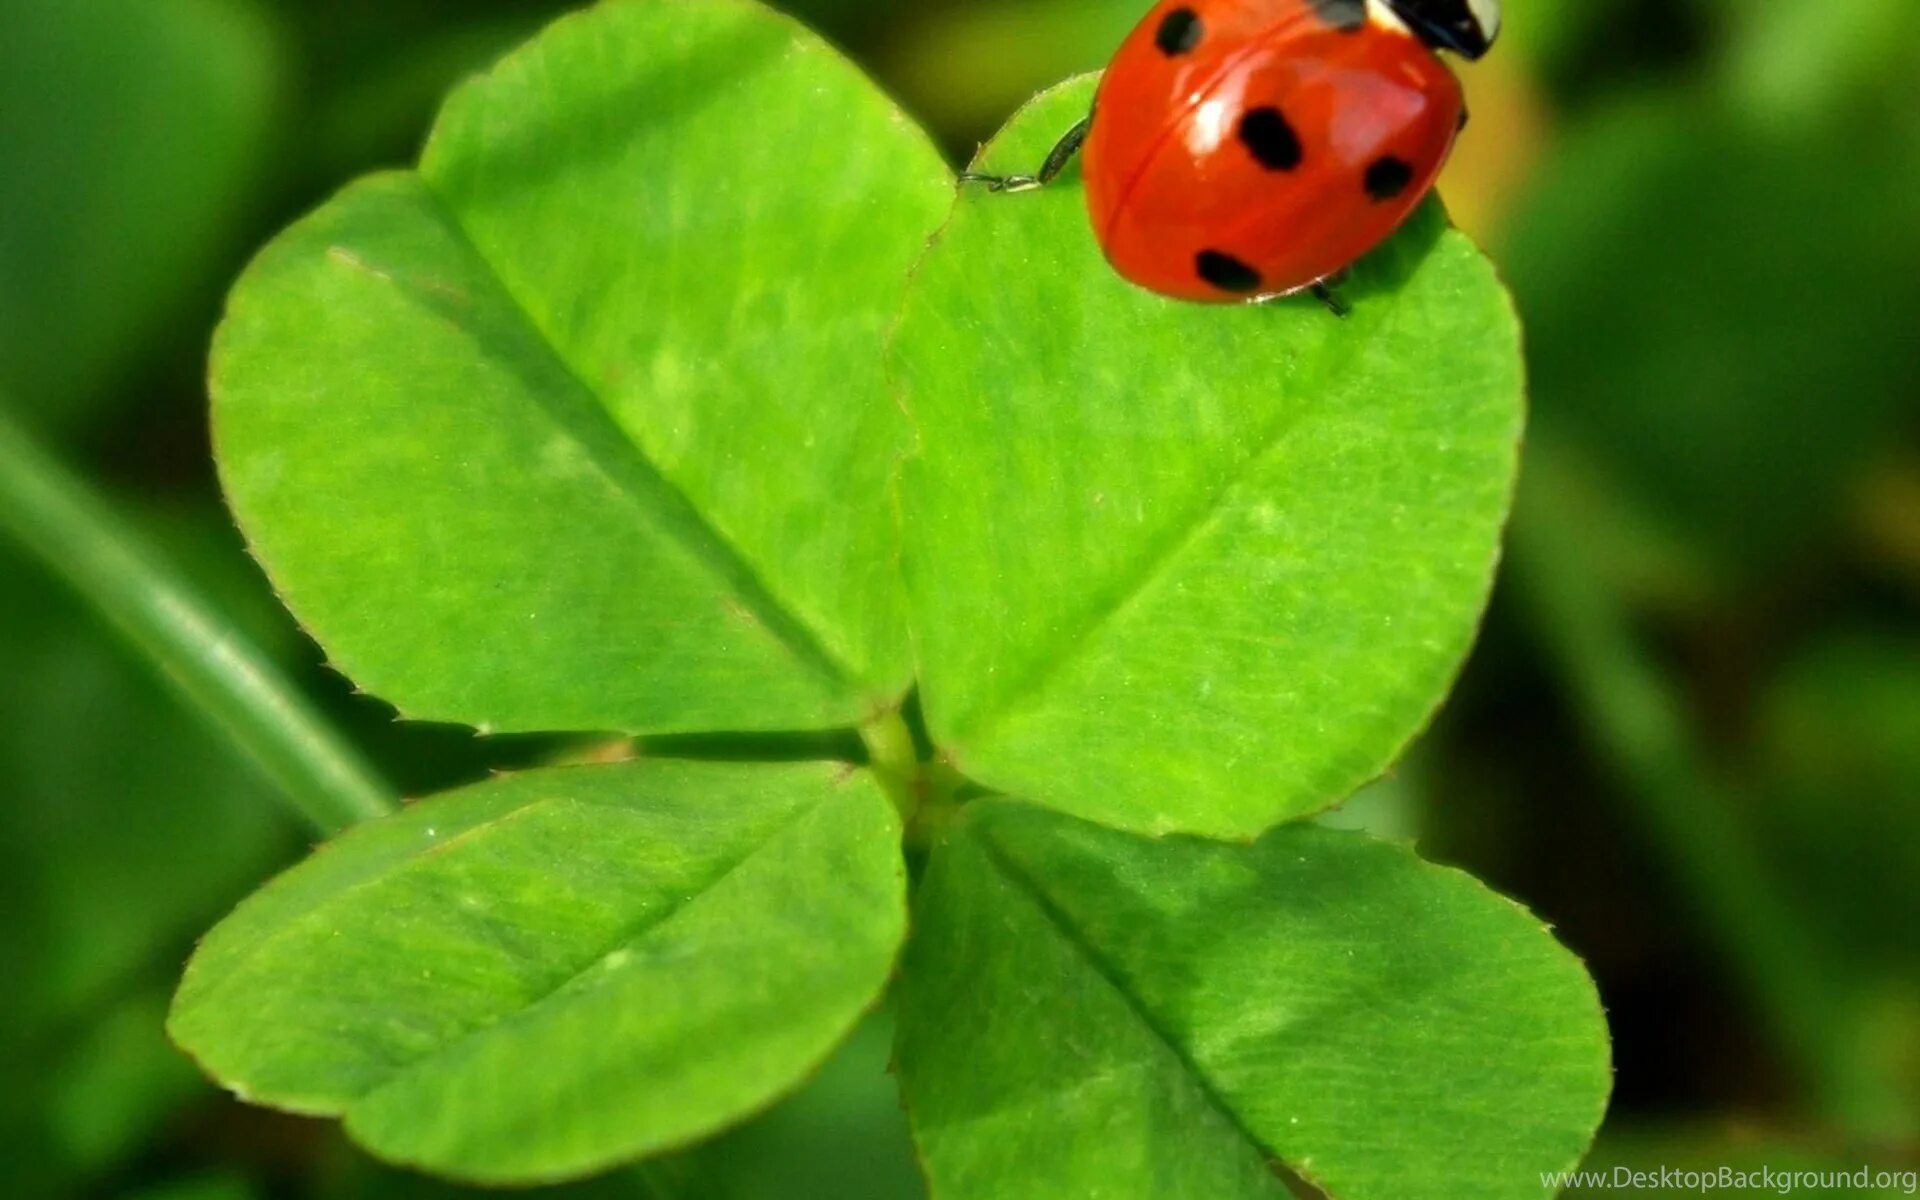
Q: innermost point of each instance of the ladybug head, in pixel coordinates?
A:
(1466, 27)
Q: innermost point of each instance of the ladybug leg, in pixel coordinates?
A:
(1324, 293)
(1064, 150)
(1057, 160)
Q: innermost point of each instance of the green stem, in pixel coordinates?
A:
(1686, 811)
(894, 761)
(229, 680)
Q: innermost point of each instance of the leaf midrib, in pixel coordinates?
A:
(648, 489)
(336, 1105)
(1057, 919)
(1026, 690)
(628, 934)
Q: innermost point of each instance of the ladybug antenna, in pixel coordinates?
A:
(1466, 27)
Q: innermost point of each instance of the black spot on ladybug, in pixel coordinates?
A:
(1179, 32)
(1388, 177)
(1226, 272)
(1270, 139)
(1348, 16)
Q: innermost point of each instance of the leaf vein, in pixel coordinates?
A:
(1069, 932)
(627, 935)
(626, 467)
(1159, 557)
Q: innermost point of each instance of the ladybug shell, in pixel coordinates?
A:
(1243, 149)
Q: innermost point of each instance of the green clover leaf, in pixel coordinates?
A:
(629, 410)
(1176, 567)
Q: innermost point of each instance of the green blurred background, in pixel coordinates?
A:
(1690, 735)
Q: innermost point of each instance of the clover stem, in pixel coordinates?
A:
(894, 761)
(940, 800)
(187, 640)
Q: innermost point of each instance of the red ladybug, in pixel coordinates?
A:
(1245, 149)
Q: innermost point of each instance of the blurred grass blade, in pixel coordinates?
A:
(220, 672)
(1691, 818)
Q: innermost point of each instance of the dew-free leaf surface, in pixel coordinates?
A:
(558, 970)
(587, 424)
(1088, 1013)
(582, 425)
(1176, 566)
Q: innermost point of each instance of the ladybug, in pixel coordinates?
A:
(1246, 149)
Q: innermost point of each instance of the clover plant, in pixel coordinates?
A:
(673, 393)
